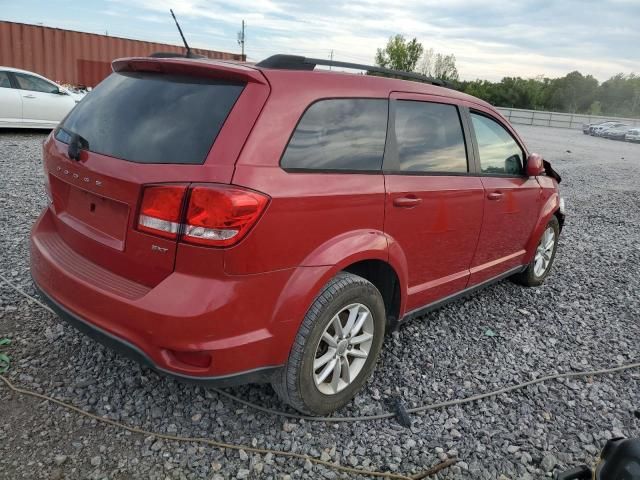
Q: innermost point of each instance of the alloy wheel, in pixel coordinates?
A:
(544, 252)
(343, 348)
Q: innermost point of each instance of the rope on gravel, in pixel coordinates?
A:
(26, 295)
(432, 406)
(216, 443)
(381, 416)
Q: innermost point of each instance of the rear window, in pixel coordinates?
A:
(339, 134)
(152, 117)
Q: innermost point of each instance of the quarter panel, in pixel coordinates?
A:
(307, 211)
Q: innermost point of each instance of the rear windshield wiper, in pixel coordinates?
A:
(76, 143)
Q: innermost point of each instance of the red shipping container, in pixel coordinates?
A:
(76, 58)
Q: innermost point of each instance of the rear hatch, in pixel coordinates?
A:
(152, 121)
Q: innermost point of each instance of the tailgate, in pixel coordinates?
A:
(152, 121)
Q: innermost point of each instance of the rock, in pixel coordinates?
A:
(56, 474)
(410, 443)
(243, 473)
(548, 462)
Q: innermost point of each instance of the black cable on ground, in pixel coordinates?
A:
(381, 416)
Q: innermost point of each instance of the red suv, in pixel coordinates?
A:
(231, 223)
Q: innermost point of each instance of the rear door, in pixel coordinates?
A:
(512, 199)
(145, 128)
(42, 103)
(434, 199)
(10, 102)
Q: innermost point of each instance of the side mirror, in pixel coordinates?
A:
(535, 165)
(61, 92)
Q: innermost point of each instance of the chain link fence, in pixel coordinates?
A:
(557, 119)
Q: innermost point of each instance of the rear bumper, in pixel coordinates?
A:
(227, 319)
(129, 350)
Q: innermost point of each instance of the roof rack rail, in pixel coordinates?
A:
(297, 62)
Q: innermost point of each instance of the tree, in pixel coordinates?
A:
(399, 54)
(437, 65)
(620, 95)
(572, 93)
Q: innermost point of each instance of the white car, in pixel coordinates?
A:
(600, 129)
(29, 100)
(633, 135)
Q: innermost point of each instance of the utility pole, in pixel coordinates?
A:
(331, 58)
(241, 39)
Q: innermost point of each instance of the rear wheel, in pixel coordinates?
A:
(336, 347)
(540, 266)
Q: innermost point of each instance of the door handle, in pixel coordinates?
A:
(495, 195)
(406, 202)
(28, 96)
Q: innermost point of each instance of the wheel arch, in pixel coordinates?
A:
(365, 253)
(550, 208)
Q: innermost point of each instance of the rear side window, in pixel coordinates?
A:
(500, 154)
(429, 138)
(339, 134)
(152, 117)
(4, 80)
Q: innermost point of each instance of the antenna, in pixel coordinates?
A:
(184, 40)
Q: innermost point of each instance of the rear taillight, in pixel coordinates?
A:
(216, 215)
(220, 215)
(161, 210)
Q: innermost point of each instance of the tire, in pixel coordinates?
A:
(297, 384)
(533, 276)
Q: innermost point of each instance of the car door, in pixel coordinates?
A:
(43, 103)
(10, 102)
(434, 200)
(512, 200)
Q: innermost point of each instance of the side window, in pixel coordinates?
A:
(35, 84)
(4, 80)
(339, 134)
(429, 137)
(499, 152)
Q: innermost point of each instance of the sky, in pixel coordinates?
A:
(491, 39)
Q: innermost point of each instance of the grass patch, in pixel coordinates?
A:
(5, 360)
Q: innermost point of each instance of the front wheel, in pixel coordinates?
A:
(336, 348)
(540, 266)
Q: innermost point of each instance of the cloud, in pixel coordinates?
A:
(489, 38)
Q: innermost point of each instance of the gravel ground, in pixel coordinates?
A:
(585, 316)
